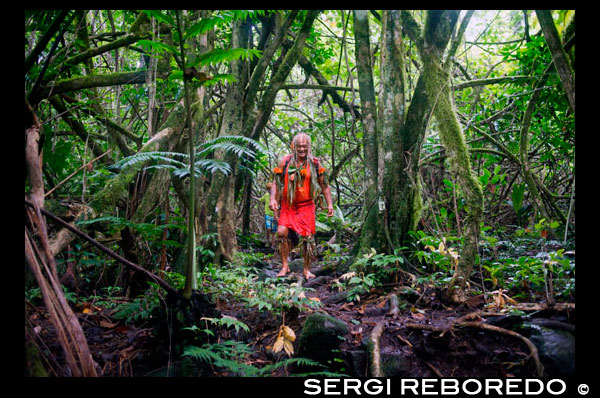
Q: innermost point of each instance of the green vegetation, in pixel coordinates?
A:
(448, 139)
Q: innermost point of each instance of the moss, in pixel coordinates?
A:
(34, 367)
(321, 336)
(453, 139)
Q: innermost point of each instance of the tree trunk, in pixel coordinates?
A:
(221, 194)
(372, 226)
(401, 133)
(439, 27)
(559, 56)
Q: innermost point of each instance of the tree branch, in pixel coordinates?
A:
(105, 249)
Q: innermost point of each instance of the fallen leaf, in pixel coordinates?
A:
(382, 304)
(107, 325)
(418, 315)
(278, 344)
(288, 333)
(288, 347)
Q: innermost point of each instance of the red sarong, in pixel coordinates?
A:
(299, 216)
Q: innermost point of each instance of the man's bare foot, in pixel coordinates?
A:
(283, 271)
(308, 275)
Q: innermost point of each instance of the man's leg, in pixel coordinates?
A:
(284, 249)
(308, 254)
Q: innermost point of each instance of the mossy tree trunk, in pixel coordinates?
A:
(392, 140)
(559, 55)
(438, 29)
(221, 194)
(372, 230)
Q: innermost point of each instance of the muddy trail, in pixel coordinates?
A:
(406, 331)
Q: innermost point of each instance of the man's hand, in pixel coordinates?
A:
(273, 205)
(329, 210)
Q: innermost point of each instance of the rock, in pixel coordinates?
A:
(556, 348)
(319, 280)
(395, 364)
(296, 265)
(357, 363)
(409, 294)
(321, 338)
(267, 273)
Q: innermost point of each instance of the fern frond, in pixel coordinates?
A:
(205, 25)
(267, 369)
(222, 77)
(165, 18)
(202, 354)
(219, 55)
(240, 140)
(239, 150)
(158, 156)
(212, 166)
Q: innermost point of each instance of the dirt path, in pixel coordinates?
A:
(420, 336)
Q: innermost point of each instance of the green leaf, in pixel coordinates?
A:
(164, 18)
(204, 25)
(218, 56)
(517, 197)
(159, 47)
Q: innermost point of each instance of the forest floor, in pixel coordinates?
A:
(424, 335)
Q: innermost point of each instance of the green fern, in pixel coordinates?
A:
(178, 163)
(230, 354)
(238, 144)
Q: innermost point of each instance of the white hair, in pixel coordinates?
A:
(295, 140)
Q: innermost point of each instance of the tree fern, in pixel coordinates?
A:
(242, 143)
(178, 163)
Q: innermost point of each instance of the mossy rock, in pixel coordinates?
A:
(321, 338)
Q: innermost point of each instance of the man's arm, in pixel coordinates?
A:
(327, 193)
(274, 203)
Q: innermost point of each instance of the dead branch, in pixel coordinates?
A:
(106, 250)
(66, 324)
(534, 307)
(77, 171)
(63, 237)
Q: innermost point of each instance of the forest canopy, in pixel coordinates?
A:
(448, 140)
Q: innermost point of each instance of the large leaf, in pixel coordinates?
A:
(159, 47)
(158, 15)
(218, 56)
(517, 197)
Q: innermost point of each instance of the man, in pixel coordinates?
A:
(298, 177)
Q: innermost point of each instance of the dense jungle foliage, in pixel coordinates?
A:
(449, 143)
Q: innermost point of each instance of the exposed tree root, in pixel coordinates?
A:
(394, 310)
(532, 348)
(376, 350)
(466, 321)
